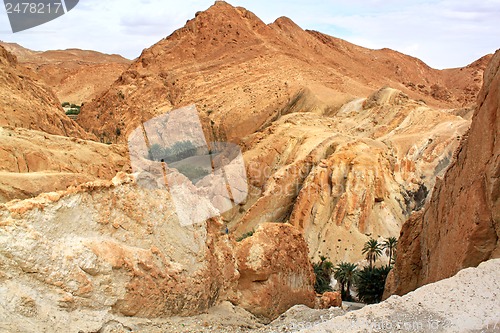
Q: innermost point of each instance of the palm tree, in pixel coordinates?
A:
(373, 250)
(323, 271)
(390, 247)
(344, 273)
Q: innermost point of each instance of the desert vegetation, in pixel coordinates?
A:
(71, 108)
(368, 281)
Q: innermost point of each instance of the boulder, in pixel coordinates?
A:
(330, 299)
(275, 271)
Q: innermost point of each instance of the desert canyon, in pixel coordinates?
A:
(341, 144)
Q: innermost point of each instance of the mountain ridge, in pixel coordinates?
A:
(229, 47)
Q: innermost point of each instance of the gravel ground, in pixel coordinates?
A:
(226, 318)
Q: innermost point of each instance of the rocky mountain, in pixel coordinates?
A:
(327, 149)
(75, 75)
(340, 144)
(42, 149)
(28, 103)
(346, 178)
(460, 226)
(243, 74)
(35, 162)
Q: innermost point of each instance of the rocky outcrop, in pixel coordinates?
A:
(73, 261)
(275, 272)
(466, 302)
(26, 102)
(460, 227)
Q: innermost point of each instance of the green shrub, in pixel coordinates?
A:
(74, 106)
(323, 272)
(64, 104)
(72, 112)
(245, 235)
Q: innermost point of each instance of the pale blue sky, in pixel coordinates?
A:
(443, 33)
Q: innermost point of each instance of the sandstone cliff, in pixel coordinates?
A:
(326, 148)
(35, 162)
(342, 179)
(270, 283)
(460, 227)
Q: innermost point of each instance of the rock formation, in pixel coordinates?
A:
(345, 178)
(456, 304)
(460, 227)
(329, 299)
(274, 271)
(333, 158)
(34, 162)
(327, 149)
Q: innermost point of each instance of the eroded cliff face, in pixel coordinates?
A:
(35, 162)
(72, 260)
(356, 174)
(460, 227)
(74, 75)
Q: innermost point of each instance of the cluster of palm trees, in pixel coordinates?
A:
(373, 249)
(370, 280)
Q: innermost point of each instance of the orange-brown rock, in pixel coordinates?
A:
(75, 75)
(275, 272)
(28, 103)
(460, 227)
(329, 299)
(243, 74)
(34, 162)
